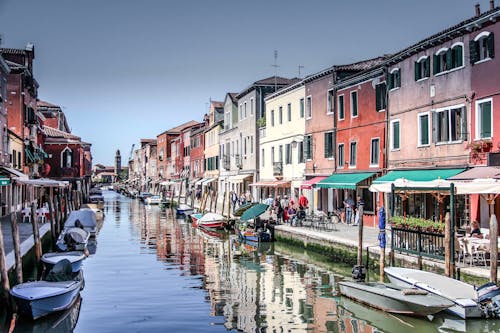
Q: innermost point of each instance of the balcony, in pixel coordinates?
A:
(278, 169)
(238, 161)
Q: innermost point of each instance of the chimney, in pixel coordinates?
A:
(492, 4)
(478, 9)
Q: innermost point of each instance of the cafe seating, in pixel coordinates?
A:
(26, 214)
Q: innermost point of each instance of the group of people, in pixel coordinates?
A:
(240, 200)
(352, 210)
(285, 209)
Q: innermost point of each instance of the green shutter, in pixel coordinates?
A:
(434, 64)
(491, 45)
(398, 78)
(459, 54)
(396, 133)
(427, 66)
(418, 75)
(485, 120)
(389, 81)
(473, 51)
(378, 102)
(449, 59)
(434, 126)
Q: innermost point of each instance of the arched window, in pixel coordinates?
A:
(482, 47)
(457, 55)
(66, 158)
(440, 63)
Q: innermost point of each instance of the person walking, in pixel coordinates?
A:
(234, 199)
(359, 203)
(348, 205)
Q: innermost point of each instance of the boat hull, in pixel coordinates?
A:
(38, 299)
(393, 299)
(464, 307)
(75, 258)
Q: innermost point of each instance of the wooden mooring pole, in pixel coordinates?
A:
(494, 248)
(447, 249)
(36, 233)
(17, 247)
(3, 266)
(51, 215)
(360, 235)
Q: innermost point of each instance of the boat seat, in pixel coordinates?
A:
(413, 291)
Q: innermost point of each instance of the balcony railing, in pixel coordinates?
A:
(238, 161)
(278, 169)
(226, 162)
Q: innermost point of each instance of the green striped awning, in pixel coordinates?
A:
(4, 181)
(344, 180)
(418, 175)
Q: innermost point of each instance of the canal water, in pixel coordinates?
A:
(151, 272)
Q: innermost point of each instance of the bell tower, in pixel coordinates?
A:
(118, 162)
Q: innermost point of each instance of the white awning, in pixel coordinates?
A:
(239, 178)
(207, 181)
(42, 182)
(14, 172)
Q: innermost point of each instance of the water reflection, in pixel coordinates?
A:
(156, 273)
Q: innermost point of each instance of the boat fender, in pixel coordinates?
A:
(359, 273)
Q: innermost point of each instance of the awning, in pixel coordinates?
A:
(418, 175)
(410, 186)
(42, 182)
(478, 172)
(308, 184)
(344, 180)
(30, 155)
(14, 172)
(277, 183)
(239, 178)
(207, 181)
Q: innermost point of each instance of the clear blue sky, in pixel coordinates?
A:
(124, 70)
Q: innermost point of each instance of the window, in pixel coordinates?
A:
(394, 79)
(448, 124)
(423, 129)
(301, 152)
(288, 154)
(484, 119)
(272, 155)
(241, 111)
(395, 134)
(308, 147)
(251, 106)
(329, 102)
(375, 151)
(66, 158)
(280, 153)
(341, 107)
(353, 154)
(289, 111)
(457, 56)
(262, 157)
(280, 115)
(482, 47)
(308, 107)
(272, 117)
(251, 145)
(380, 97)
(422, 68)
(340, 156)
(354, 104)
(301, 108)
(439, 62)
(245, 109)
(329, 145)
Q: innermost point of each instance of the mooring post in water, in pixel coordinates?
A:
(36, 233)
(51, 215)
(223, 204)
(17, 247)
(494, 248)
(360, 235)
(447, 248)
(57, 205)
(3, 266)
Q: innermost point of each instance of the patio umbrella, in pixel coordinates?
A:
(381, 226)
(254, 211)
(242, 209)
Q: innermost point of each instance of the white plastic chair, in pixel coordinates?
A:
(41, 215)
(26, 214)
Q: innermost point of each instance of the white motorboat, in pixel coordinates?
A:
(57, 292)
(153, 200)
(75, 258)
(212, 221)
(394, 299)
(84, 218)
(468, 302)
(73, 239)
(184, 209)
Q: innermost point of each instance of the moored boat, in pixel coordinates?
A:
(84, 218)
(468, 303)
(73, 239)
(153, 200)
(74, 257)
(394, 299)
(212, 221)
(57, 292)
(184, 209)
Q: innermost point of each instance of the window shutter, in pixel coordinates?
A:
(326, 145)
(473, 51)
(463, 125)
(449, 59)
(427, 66)
(434, 64)
(378, 104)
(491, 45)
(417, 71)
(398, 78)
(459, 55)
(434, 126)
(389, 81)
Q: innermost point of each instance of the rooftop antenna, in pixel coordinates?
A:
(275, 68)
(300, 66)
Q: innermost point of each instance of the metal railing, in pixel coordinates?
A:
(417, 242)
